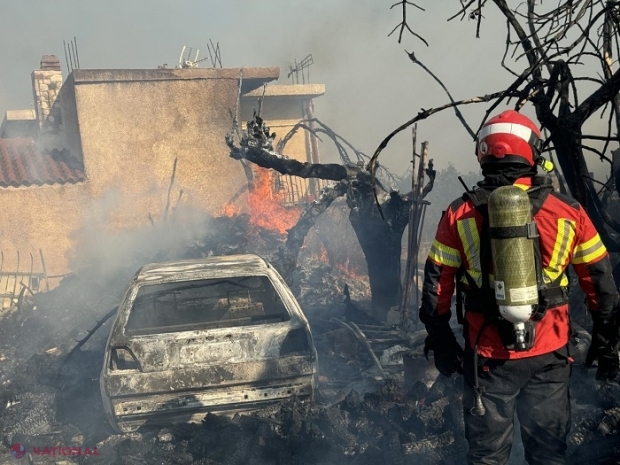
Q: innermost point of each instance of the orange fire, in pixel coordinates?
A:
(350, 271)
(266, 206)
(323, 256)
(230, 210)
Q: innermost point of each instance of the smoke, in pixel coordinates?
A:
(105, 251)
(372, 87)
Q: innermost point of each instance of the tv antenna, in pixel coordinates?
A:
(215, 54)
(303, 68)
(189, 59)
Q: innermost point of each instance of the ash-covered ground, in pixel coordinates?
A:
(50, 402)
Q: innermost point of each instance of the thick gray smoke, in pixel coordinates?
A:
(372, 87)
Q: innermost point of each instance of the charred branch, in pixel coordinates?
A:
(90, 333)
(297, 234)
(423, 114)
(256, 146)
(403, 24)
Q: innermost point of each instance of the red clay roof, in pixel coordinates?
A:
(22, 164)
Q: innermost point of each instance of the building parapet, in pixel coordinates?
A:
(303, 91)
(253, 78)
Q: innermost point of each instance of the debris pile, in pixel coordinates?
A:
(50, 400)
(378, 428)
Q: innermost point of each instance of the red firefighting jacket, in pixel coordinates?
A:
(567, 236)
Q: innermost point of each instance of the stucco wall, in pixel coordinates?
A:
(132, 131)
(68, 111)
(34, 218)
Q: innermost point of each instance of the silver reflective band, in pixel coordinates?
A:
(506, 128)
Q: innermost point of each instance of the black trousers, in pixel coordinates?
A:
(536, 388)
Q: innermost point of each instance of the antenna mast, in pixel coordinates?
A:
(72, 57)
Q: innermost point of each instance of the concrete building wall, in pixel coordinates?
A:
(19, 123)
(71, 129)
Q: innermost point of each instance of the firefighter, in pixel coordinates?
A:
(503, 375)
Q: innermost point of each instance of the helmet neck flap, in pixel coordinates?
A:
(505, 174)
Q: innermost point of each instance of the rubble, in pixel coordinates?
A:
(49, 395)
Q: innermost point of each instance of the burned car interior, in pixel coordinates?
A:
(204, 304)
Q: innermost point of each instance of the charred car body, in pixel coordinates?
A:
(219, 334)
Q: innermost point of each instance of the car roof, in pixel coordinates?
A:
(224, 265)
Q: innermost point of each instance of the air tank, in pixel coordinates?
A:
(514, 266)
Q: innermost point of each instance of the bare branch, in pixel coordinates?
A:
(599, 153)
(532, 58)
(458, 113)
(423, 114)
(462, 11)
(403, 24)
(597, 99)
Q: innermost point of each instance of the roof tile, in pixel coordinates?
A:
(22, 164)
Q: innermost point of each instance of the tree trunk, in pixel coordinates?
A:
(382, 250)
(380, 239)
(566, 145)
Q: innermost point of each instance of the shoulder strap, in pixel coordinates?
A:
(538, 195)
(478, 196)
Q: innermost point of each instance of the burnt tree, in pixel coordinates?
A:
(562, 58)
(378, 215)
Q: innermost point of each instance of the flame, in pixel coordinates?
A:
(230, 210)
(266, 206)
(350, 271)
(323, 257)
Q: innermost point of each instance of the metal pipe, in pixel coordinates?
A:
(357, 333)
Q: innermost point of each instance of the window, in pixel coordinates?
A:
(204, 304)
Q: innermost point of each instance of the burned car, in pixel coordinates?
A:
(219, 334)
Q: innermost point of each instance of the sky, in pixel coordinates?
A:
(371, 85)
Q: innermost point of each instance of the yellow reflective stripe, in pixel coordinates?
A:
(550, 278)
(468, 232)
(444, 255)
(589, 251)
(561, 249)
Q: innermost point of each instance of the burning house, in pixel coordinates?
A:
(102, 148)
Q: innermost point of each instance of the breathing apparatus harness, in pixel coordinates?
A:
(481, 299)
